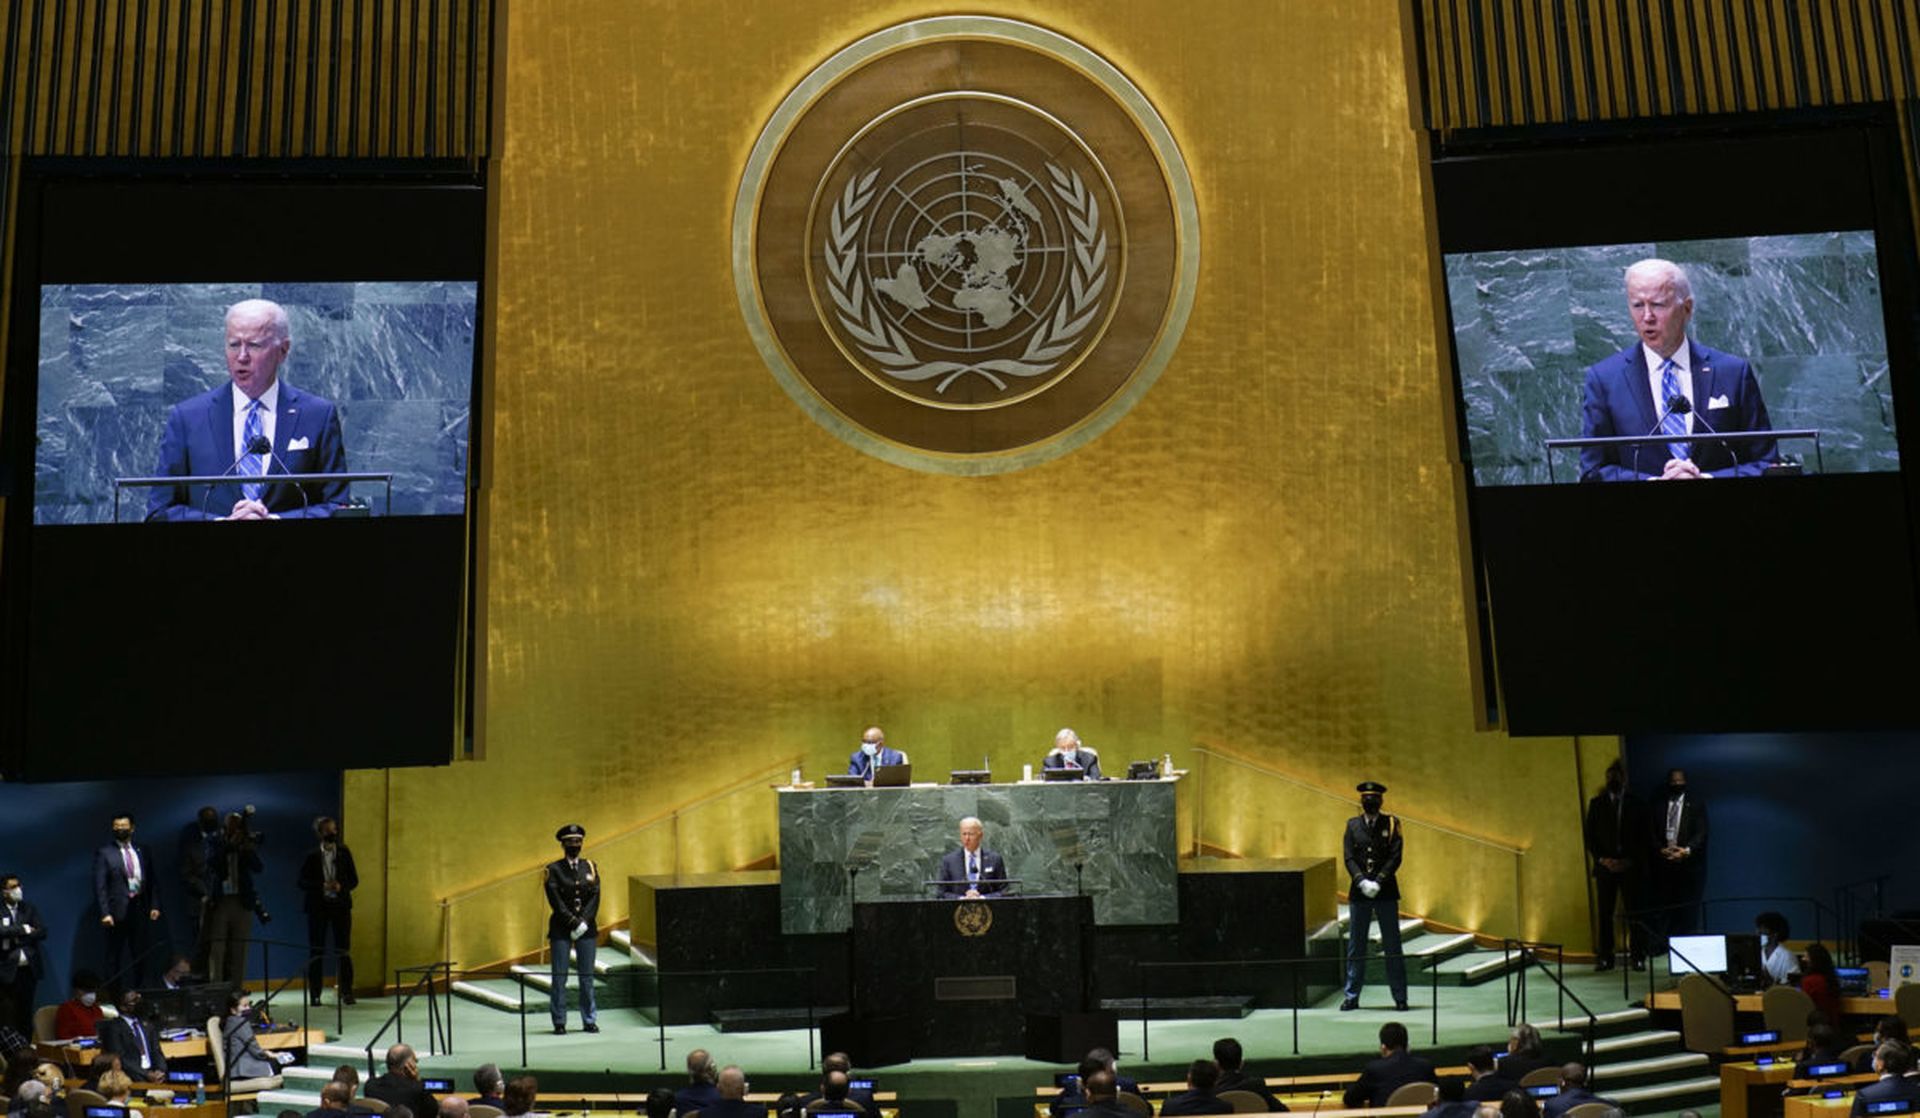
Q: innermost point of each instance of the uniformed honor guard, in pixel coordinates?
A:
(573, 897)
(1373, 859)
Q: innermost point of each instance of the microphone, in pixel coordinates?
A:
(267, 448)
(1673, 408)
(1682, 405)
(258, 445)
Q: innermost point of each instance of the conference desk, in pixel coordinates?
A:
(1284, 1086)
(1040, 1110)
(1750, 1003)
(191, 1048)
(1110, 840)
(1817, 1106)
(1752, 1090)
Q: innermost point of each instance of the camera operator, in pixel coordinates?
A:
(234, 859)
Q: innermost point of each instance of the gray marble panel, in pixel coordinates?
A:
(396, 357)
(1119, 833)
(1804, 310)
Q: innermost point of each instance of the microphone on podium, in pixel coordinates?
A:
(1682, 406)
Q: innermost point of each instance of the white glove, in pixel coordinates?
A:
(580, 929)
(283, 1058)
(1370, 887)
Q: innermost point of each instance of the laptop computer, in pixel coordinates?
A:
(893, 776)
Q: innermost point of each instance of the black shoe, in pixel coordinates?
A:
(1350, 1003)
(314, 1000)
(559, 1030)
(1401, 1005)
(589, 1027)
(347, 999)
(1639, 964)
(1603, 966)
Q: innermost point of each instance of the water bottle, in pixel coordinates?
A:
(200, 1091)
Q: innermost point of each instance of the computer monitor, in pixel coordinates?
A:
(1743, 961)
(107, 1112)
(1687, 954)
(1070, 772)
(846, 780)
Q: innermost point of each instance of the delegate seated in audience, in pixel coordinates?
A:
(20, 1067)
(1074, 1097)
(132, 1041)
(786, 1106)
(1518, 1104)
(1395, 1068)
(116, 1087)
(49, 1076)
(840, 1061)
(1775, 959)
(336, 1101)
(833, 1096)
(659, 1103)
(1198, 1097)
(700, 1090)
(490, 1088)
(245, 1058)
(80, 1014)
(1103, 1099)
(29, 1098)
(522, 1092)
(1819, 982)
(1573, 1092)
(1234, 1076)
(1824, 1045)
(453, 1106)
(1886, 1029)
(1452, 1101)
(1895, 1063)
(732, 1102)
(1487, 1082)
(400, 1086)
(1526, 1052)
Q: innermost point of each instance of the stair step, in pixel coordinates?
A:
(337, 1053)
(1628, 1042)
(1666, 1096)
(1209, 1007)
(1635, 1016)
(272, 1101)
(1605, 1075)
(296, 1075)
(1470, 968)
(502, 994)
(1410, 926)
(1435, 944)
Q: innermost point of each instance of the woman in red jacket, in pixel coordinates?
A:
(1819, 982)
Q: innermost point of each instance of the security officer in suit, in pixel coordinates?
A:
(573, 900)
(21, 931)
(1613, 832)
(1372, 848)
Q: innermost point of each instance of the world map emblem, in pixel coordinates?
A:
(948, 253)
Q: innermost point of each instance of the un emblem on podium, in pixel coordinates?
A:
(937, 258)
(972, 918)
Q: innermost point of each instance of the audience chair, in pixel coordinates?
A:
(1140, 1107)
(1785, 1008)
(482, 1110)
(379, 1106)
(1414, 1094)
(43, 1019)
(1541, 1077)
(1243, 1102)
(1589, 1110)
(217, 1047)
(79, 1099)
(1706, 1015)
(1906, 1003)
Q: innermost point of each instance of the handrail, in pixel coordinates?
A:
(1559, 980)
(665, 817)
(1503, 845)
(401, 1002)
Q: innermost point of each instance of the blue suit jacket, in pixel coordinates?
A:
(1619, 401)
(953, 869)
(861, 765)
(199, 440)
(110, 883)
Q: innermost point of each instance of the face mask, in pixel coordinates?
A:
(13, 895)
(1370, 803)
(869, 747)
(329, 840)
(122, 834)
(1675, 791)
(572, 851)
(89, 998)
(1765, 939)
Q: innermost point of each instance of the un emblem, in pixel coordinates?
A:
(940, 263)
(972, 918)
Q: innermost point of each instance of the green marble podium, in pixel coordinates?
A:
(1119, 832)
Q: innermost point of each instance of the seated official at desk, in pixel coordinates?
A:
(133, 1040)
(971, 871)
(1103, 1098)
(1886, 1029)
(1895, 1063)
(873, 752)
(1198, 1097)
(1070, 753)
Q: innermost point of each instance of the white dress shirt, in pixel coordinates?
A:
(269, 400)
(1682, 372)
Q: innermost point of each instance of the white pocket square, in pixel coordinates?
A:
(1712, 403)
(302, 444)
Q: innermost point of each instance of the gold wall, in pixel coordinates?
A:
(690, 583)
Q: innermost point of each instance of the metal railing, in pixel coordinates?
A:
(1529, 954)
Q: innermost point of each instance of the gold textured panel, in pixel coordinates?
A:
(691, 582)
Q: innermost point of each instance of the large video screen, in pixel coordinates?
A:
(138, 381)
(1767, 333)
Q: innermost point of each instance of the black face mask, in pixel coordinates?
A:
(1614, 782)
(209, 825)
(572, 850)
(1371, 804)
(121, 834)
(1675, 791)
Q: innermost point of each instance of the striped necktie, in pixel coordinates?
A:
(252, 465)
(1672, 423)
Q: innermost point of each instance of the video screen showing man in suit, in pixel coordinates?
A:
(139, 382)
(250, 428)
(1668, 384)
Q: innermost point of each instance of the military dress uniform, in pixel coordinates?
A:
(1372, 848)
(573, 899)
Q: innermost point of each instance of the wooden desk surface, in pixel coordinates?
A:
(192, 1048)
(1814, 1106)
(1750, 1003)
(1040, 1111)
(1281, 1085)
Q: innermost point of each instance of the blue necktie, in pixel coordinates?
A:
(252, 465)
(973, 868)
(1672, 424)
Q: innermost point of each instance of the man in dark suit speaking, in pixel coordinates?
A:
(971, 871)
(1665, 384)
(250, 428)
